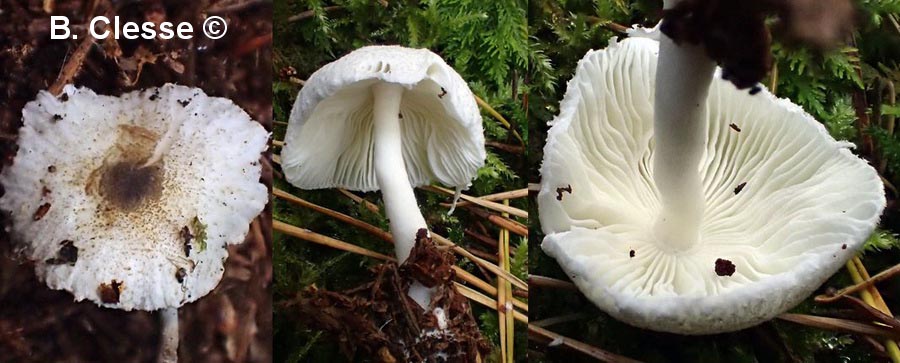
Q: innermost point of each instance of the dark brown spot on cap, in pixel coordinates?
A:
(844, 246)
(64, 97)
(126, 185)
(110, 293)
(45, 191)
(739, 188)
(724, 267)
(735, 127)
(41, 211)
(631, 253)
(51, 168)
(184, 103)
(443, 93)
(56, 118)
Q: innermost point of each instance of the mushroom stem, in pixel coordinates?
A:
(682, 83)
(168, 350)
(390, 170)
(399, 200)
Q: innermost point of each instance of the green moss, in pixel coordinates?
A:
(199, 231)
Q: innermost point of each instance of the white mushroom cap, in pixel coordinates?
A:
(785, 202)
(329, 140)
(97, 224)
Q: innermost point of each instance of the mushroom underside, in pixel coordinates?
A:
(785, 204)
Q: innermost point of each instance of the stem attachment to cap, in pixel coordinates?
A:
(682, 84)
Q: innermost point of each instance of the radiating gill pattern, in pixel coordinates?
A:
(438, 116)
(429, 137)
(792, 204)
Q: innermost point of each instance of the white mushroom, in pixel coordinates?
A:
(717, 215)
(100, 222)
(388, 118)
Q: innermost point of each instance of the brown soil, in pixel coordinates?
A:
(378, 319)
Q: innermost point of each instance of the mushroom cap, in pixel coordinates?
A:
(786, 204)
(97, 224)
(329, 140)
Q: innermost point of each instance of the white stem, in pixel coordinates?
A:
(390, 171)
(168, 348)
(682, 84)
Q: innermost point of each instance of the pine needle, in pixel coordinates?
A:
(487, 107)
(494, 206)
(307, 235)
(504, 293)
(872, 297)
(512, 194)
(881, 276)
(554, 339)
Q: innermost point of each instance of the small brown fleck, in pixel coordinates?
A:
(56, 118)
(724, 267)
(45, 191)
(187, 237)
(755, 89)
(110, 293)
(631, 253)
(739, 188)
(51, 168)
(41, 211)
(443, 93)
(400, 116)
(180, 274)
(844, 246)
(154, 96)
(68, 254)
(559, 191)
(735, 127)
(184, 103)
(64, 97)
